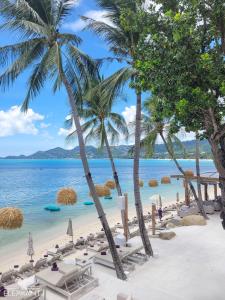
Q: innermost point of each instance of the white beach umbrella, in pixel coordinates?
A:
(70, 229)
(30, 249)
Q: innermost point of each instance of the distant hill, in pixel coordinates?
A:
(122, 151)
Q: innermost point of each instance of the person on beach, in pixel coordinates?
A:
(160, 213)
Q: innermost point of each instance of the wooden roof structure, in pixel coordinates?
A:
(203, 179)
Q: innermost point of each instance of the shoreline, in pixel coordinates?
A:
(15, 253)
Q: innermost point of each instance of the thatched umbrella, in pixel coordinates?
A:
(110, 184)
(102, 190)
(189, 173)
(141, 183)
(11, 218)
(67, 196)
(153, 183)
(165, 180)
(30, 249)
(69, 231)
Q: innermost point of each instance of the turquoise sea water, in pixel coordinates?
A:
(32, 184)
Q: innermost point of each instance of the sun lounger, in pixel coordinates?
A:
(98, 246)
(8, 277)
(40, 264)
(70, 281)
(54, 258)
(63, 250)
(26, 289)
(26, 270)
(100, 234)
(105, 259)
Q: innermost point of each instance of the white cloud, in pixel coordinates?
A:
(13, 122)
(129, 113)
(98, 15)
(45, 125)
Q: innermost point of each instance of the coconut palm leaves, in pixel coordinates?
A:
(101, 123)
(49, 55)
(123, 42)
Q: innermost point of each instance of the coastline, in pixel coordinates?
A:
(15, 254)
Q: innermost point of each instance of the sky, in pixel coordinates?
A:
(42, 128)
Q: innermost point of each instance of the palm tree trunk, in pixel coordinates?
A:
(117, 263)
(198, 201)
(137, 194)
(115, 175)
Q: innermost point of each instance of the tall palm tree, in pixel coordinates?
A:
(123, 42)
(101, 122)
(154, 125)
(49, 54)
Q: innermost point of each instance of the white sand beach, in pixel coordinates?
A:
(15, 253)
(188, 267)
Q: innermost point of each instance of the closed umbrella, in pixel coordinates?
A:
(157, 198)
(70, 229)
(30, 250)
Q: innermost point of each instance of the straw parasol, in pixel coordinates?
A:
(66, 196)
(69, 231)
(141, 183)
(30, 249)
(165, 180)
(153, 183)
(110, 184)
(189, 173)
(11, 218)
(102, 190)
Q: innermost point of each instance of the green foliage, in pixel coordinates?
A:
(101, 122)
(42, 49)
(180, 59)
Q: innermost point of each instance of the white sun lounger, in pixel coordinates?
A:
(106, 260)
(26, 289)
(98, 246)
(70, 281)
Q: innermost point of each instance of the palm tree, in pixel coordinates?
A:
(154, 125)
(49, 54)
(123, 42)
(101, 123)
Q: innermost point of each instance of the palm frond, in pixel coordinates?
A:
(39, 76)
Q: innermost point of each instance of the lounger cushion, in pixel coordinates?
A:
(26, 283)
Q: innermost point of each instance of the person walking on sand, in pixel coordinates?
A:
(160, 213)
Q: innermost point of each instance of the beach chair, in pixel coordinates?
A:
(105, 258)
(8, 277)
(25, 270)
(54, 258)
(67, 249)
(70, 281)
(134, 254)
(98, 246)
(26, 289)
(40, 264)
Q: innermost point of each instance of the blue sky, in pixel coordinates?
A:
(42, 129)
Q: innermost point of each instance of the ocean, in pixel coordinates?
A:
(32, 184)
